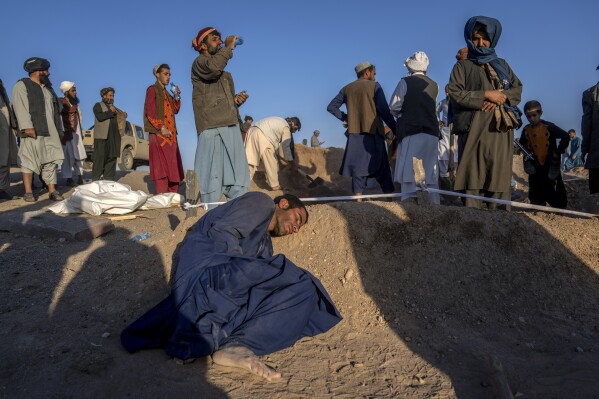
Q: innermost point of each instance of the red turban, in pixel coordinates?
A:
(197, 42)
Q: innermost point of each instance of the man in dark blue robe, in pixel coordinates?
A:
(232, 298)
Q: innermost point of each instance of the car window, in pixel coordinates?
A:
(128, 130)
(140, 133)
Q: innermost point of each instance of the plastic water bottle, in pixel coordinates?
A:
(143, 236)
(174, 89)
(239, 41)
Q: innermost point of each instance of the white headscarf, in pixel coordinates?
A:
(66, 86)
(418, 62)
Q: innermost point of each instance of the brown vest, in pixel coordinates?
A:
(361, 109)
(159, 90)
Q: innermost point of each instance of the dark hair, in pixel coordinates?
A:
(480, 28)
(532, 105)
(294, 202)
(163, 66)
(363, 71)
(106, 90)
(247, 117)
(295, 120)
(214, 32)
(572, 130)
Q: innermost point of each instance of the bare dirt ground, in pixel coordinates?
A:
(428, 294)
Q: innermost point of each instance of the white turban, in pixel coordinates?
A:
(66, 86)
(418, 62)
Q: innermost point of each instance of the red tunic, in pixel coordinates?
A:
(165, 158)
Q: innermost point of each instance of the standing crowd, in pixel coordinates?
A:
(232, 298)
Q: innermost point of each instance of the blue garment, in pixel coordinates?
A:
(230, 289)
(574, 150)
(366, 156)
(221, 164)
(382, 108)
(484, 55)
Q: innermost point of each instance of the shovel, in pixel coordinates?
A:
(313, 182)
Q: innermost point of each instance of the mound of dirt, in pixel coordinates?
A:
(428, 294)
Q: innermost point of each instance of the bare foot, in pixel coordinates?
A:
(242, 357)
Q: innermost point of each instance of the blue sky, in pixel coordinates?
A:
(296, 55)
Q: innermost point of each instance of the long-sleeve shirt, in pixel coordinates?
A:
(277, 131)
(442, 110)
(213, 94)
(380, 102)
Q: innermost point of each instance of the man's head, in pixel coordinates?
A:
(417, 62)
(207, 41)
(69, 90)
(533, 112)
(162, 72)
(248, 119)
(462, 54)
(38, 70)
(294, 124)
(480, 37)
(572, 134)
(107, 94)
(317, 133)
(290, 215)
(365, 70)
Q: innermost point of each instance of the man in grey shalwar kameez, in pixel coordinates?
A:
(38, 115)
(8, 144)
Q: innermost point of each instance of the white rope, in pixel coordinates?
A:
(423, 187)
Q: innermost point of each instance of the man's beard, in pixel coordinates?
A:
(107, 101)
(213, 50)
(74, 100)
(45, 80)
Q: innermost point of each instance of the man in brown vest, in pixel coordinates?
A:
(365, 153)
(107, 138)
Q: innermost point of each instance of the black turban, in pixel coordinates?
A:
(36, 64)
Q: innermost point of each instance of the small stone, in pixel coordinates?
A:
(106, 335)
(349, 274)
(521, 319)
(579, 349)
(408, 339)
(62, 239)
(518, 395)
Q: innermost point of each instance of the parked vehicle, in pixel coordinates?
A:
(135, 146)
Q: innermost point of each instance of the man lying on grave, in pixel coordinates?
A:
(231, 297)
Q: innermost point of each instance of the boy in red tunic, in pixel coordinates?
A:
(166, 168)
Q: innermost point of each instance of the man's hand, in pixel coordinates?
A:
(230, 41)
(441, 124)
(30, 133)
(495, 96)
(240, 98)
(488, 106)
(165, 132)
(112, 108)
(574, 157)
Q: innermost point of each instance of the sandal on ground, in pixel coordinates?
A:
(28, 197)
(55, 196)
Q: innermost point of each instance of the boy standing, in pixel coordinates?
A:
(540, 137)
